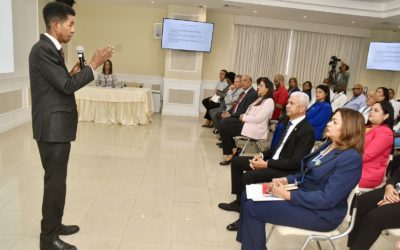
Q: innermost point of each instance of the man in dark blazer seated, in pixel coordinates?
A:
(247, 97)
(296, 140)
(54, 114)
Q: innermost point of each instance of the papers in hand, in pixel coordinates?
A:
(215, 98)
(255, 192)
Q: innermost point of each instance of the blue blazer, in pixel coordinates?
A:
(326, 186)
(318, 115)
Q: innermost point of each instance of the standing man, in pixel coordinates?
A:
(281, 96)
(55, 116)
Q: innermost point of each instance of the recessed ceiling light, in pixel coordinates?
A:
(304, 17)
(353, 22)
(254, 11)
(151, 2)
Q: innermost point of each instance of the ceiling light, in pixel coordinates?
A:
(353, 22)
(254, 11)
(304, 17)
(151, 2)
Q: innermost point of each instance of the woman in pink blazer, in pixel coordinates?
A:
(254, 123)
(378, 144)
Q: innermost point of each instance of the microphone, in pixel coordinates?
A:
(80, 50)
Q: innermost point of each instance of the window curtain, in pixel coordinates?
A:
(311, 52)
(259, 51)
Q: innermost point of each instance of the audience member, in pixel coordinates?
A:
(357, 102)
(208, 103)
(378, 144)
(106, 78)
(395, 104)
(377, 210)
(320, 112)
(253, 123)
(307, 88)
(231, 96)
(382, 94)
(280, 96)
(293, 85)
(248, 96)
(396, 130)
(320, 203)
(339, 98)
(328, 82)
(370, 100)
(295, 141)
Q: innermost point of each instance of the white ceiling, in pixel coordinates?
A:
(371, 14)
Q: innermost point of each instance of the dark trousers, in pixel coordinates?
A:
(208, 104)
(54, 158)
(372, 219)
(227, 132)
(215, 115)
(240, 178)
(254, 216)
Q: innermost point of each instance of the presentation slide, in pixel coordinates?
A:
(6, 39)
(187, 35)
(384, 56)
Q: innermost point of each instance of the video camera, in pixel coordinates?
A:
(333, 61)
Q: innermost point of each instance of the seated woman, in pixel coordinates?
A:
(220, 89)
(378, 209)
(378, 144)
(254, 123)
(293, 85)
(328, 176)
(106, 78)
(320, 112)
(307, 87)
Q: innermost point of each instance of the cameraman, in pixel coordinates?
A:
(343, 75)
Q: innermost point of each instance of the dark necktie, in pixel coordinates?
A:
(282, 137)
(62, 54)
(236, 103)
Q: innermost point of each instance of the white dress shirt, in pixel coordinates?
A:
(291, 128)
(338, 100)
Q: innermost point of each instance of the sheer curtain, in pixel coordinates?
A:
(260, 51)
(311, 53)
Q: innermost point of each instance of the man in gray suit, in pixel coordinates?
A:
(55, 116)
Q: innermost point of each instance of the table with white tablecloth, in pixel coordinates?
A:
(126, 106)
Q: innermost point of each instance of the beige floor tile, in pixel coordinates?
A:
(154, 187)
(144, 230)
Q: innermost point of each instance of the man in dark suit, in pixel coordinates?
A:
(296, 140)
(54, 114)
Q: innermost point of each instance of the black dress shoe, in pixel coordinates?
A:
(224, 163)
(56, 245)
(215, 131)
(67, 230)
(233, 206)
(233, 226)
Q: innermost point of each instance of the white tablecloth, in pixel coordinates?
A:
(127, 106)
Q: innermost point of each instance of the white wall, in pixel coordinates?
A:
(25, 34)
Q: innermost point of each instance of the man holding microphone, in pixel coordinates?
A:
(55, 116)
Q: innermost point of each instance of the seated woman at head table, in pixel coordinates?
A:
(106, 78)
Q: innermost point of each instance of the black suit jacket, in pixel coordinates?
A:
(54, 112)
(250, 97)
(298, 144)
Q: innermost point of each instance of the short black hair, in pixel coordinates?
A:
(56, 11)
(69, 2)
(325, 88)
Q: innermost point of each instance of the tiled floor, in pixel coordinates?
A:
(152, 187)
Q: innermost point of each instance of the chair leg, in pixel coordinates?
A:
(269, 234)
(244, 147)
(306, 243)
(331, 244)
(258, 147)
(319, 245)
